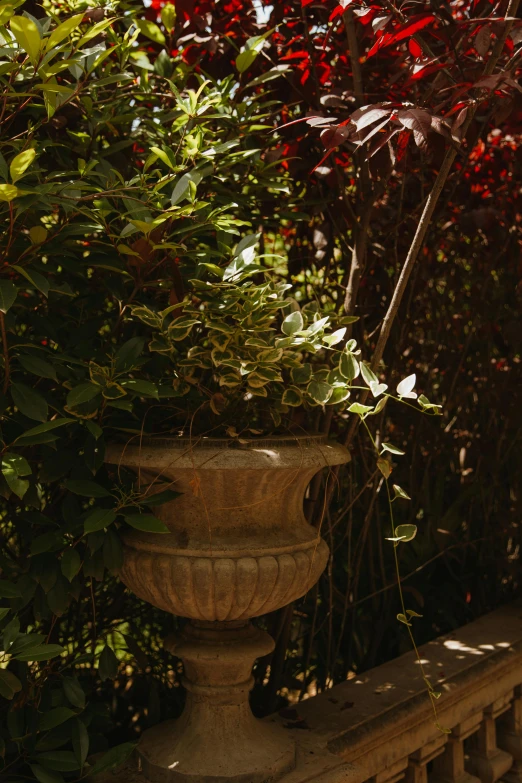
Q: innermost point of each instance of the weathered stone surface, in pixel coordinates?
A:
(380, 725)
(239, 546)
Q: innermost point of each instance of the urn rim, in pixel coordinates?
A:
(206, 453)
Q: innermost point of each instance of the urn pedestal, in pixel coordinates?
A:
(239, 546)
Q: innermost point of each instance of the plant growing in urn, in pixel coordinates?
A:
(241, 357)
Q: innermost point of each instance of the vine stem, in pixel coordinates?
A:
(431, 692)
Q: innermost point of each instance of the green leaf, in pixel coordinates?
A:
(378, 388)
(335, 337)
(87, 489)
(9, 684)
(384, 466)
(80, 741)
(99, 519)
(406, 532)
(42, 652)
(319, 391)
(74, 692)
(82, 393)
(27, 36)
(141, 388)
(293, 323)
(38, 235)
(427, 405)
(400, 493)
(150, 30)
(368, 374)
(163, 156)
(8, 192)
(37, 366)
(168, 16)
(35, 279)
(55, 717)
(45, 775)
(63, 30)
(14, 466)
(29, 402)
(113, 758)
(93, 31)
(95, 430)
(361, 410)
(9, 590)
(21, 163)
(47, 427)
(380, 405)
(292, 396)
(250, 51)
(403, 619)
(8, 292)
(70, 563)
(301, 374)
(146, 522)
(405, 387)
(392, 449)
(181, 328)
(129, 353)
(339, 394)
(348, 366)
(411, 613)
(182, 187)
(108, 665)
(273, 73)
(58, 760)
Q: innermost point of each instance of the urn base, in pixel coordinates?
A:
(217, 738)
(170, 753)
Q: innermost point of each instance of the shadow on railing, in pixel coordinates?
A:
(379, 728)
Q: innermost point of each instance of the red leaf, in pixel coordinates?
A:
(332, 137)
(402, 144)
(429, 69)
(373, 131)
(414, 48)
(381, 42)
(381, 141)
(483, 40)
(372, 114)
(306, 2)
(459, 119)
(412, 27)
(418, 120)
(406, 31)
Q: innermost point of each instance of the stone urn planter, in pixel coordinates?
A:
(239, 546)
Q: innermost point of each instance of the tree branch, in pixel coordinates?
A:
(433, 198)
(355, 62)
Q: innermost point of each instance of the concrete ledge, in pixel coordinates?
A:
(475, 667)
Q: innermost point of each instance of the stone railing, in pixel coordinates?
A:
(379, 728)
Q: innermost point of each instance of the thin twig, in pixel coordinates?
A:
(5, 350)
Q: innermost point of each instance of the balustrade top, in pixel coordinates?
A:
(379, 727)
